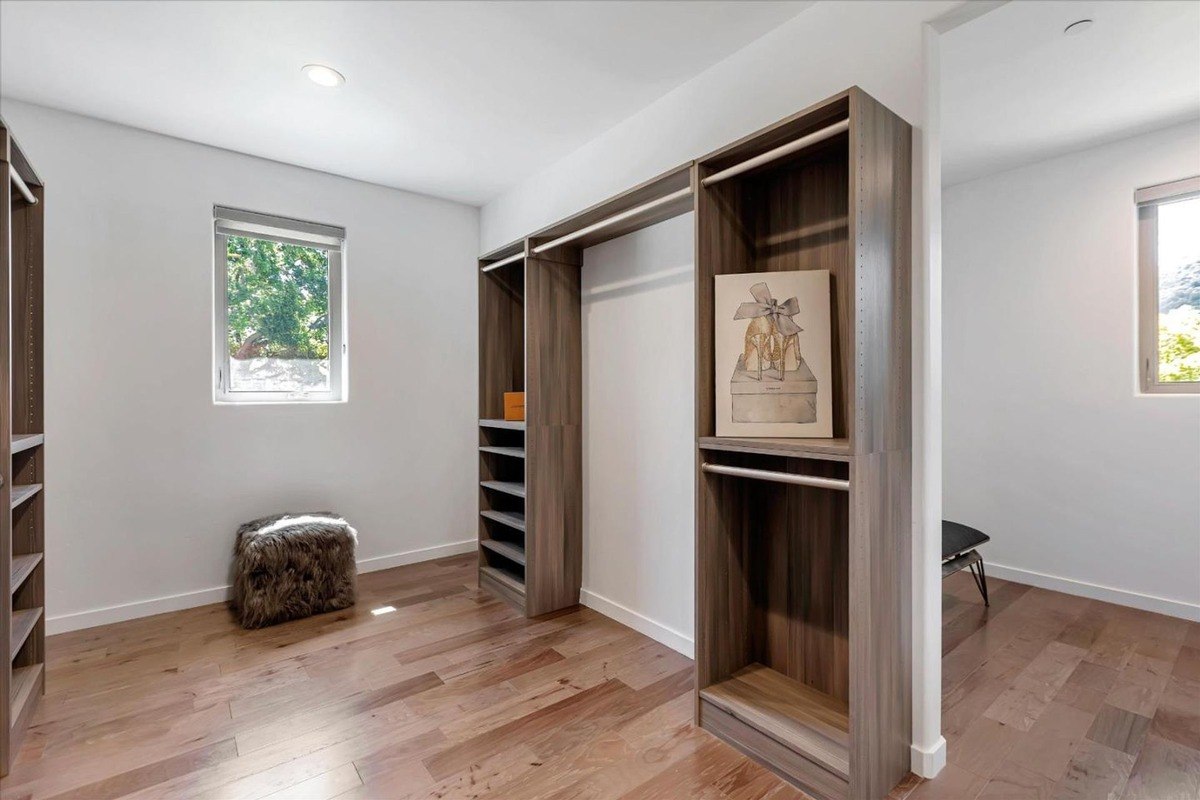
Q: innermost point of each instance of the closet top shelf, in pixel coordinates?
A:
(803, 123)
(660, 198)
(501, 253)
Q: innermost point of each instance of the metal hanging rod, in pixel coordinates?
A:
(503, 262)
(22, 187)
(837, 484)
(779, 152)
(614, 219)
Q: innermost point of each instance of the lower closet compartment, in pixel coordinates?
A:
(773, 593)
(502, 509)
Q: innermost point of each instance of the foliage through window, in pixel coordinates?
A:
(1169, 247)
(279, 335)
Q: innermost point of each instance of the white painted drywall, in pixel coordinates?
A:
(146, 479)
(639, 428)
(1084, 485)
(833, 45)
(875, 45)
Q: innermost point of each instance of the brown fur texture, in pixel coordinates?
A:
(293, 570)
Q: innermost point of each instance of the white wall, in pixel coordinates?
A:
(638, 463)
(146, 476)
(874, 44)
(878, 46)
(1084, 485)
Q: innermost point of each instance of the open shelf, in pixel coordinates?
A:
(23, 492)
(828, 449)
(511, 551)
(22, 531)
(513, 519)
(23, 623)
(509, 579)
(799, 717)
(22, 568)
(511, 452)
(25, 441)
(24, 685)
(515, 488)
(504, 424)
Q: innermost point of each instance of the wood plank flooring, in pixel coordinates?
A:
(454, 695)
(1055, 697)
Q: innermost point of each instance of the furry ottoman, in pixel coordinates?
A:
(289, 566)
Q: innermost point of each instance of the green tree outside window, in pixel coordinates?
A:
(278, 298)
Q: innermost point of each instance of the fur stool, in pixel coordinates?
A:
(289, 566)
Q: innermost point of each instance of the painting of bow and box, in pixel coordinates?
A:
(773, 355)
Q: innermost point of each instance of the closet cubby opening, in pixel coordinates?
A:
(775, 607)
(790, 213)
(501, 338)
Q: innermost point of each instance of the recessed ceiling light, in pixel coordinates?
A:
(323, 75)
(1077, 27)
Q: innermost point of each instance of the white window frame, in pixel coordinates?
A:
(237, 222)
(1148, 200)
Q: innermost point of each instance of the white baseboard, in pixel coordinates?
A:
(416, 556)
(677, 641)
(1121, 597)
(219, 594)
(928, 763)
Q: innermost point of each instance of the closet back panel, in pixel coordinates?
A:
(501, 338)
(27, 318)
(784, 600)
(793, 216)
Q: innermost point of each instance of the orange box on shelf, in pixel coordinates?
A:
(514, 406)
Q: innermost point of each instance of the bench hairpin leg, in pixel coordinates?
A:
(980, 580)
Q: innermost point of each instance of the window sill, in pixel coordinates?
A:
(222, 402)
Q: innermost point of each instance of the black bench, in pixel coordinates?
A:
(958, 552)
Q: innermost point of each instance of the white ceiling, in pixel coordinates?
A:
(1016, 90)
(458, 100)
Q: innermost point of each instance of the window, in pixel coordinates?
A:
(1169, 286)
(279, 333)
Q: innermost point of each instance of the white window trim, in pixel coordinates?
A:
(1148, 199)
(236, 222)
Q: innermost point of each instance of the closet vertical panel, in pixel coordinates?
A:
(553, 432)
(881, 508)
(723, 583)
(881, 221)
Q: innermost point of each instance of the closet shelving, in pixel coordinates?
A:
(22, 578)
(531, 472)
(503, 466)
(802, 545)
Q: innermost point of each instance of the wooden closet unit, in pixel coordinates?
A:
(531, 518)
(531, 340)
(803, 545)
(22, 573)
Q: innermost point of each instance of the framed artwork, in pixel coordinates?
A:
(773, 354)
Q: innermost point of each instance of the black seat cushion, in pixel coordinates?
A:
(958, 538)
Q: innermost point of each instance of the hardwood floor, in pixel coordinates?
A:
(454, 695)
(1055, 697)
